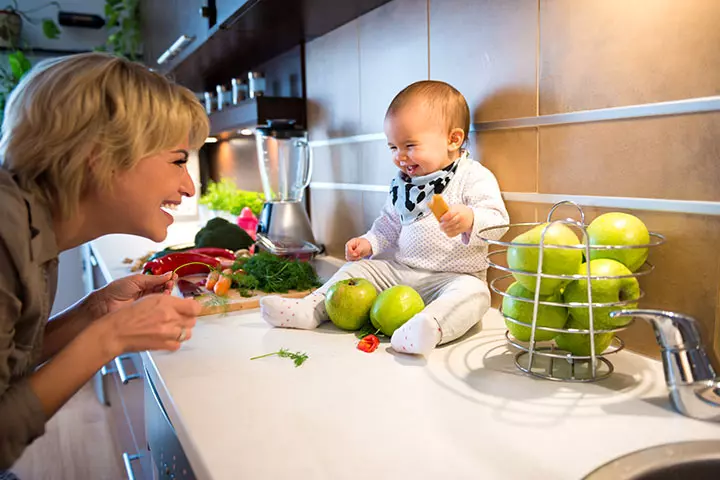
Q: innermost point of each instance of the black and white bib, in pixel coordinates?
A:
(410, 195)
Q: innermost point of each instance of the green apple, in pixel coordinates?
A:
(394, 307)
(348, 303)
(603, 291)
(579, 343)
(556, 261)
(619, 229)
(547, 315)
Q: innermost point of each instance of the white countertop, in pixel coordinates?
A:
(466, 412)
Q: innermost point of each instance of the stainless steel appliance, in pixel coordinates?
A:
(285, 162)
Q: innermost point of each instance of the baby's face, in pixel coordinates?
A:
(417, 139)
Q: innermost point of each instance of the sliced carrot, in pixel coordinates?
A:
(212, 279)
(222, 287)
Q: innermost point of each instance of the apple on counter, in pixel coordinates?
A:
(556, 261)
(348, 303)
(395, 306)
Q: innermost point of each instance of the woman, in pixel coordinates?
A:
(91, 145)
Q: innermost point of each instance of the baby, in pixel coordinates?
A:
(426, 127)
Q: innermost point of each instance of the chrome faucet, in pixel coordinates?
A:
(694, 387)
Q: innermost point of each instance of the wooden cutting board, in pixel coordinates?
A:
(233, 301)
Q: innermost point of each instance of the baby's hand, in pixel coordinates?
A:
(459, 219)
(357, 248)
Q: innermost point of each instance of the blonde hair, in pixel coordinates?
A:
(440, 97)
(68, 110)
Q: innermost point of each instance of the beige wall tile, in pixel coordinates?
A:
(511, 155)
(372, 205)
(336, 218)
(393, 54)
(237, 160)
(336, 163)
(674, 157)
(377, 165)
(604, 53)
(332, 83)
(487, 50)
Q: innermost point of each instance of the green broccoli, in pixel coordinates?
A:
(220, 233)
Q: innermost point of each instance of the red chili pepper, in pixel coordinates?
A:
(369, 343)
(184, 262)
(213, 252)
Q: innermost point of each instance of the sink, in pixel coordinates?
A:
(697, 460)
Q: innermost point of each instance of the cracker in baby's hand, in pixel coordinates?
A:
(438, 206)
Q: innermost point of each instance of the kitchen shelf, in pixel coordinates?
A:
(253, 112)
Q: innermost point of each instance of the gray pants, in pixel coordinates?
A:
(457, 301)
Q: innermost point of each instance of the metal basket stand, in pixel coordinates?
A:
(546, 360)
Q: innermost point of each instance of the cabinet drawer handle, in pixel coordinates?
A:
(177, 47)
(128, 467)
(124, 377)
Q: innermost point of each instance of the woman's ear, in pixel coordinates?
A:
(456, 138)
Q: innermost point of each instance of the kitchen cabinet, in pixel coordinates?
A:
(248, 33)
(119, 385)
(227, 10)
(173, 29)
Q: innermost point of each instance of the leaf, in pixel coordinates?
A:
(366, 330)
(112, 20)
(50, 29)
(19, 65)
(297, 357)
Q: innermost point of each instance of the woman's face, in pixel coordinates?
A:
(139, 195)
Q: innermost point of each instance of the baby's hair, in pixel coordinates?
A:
(438, 96)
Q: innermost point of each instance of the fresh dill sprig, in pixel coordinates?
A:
(297, 357)
(215, 300)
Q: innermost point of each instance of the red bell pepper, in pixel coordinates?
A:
(369, 343)
(213, 252)
(182, 263)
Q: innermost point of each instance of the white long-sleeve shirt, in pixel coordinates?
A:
(423, 245)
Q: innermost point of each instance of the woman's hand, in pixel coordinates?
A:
(357, 248)
(459, 219)
(154, 322)
(124, 291)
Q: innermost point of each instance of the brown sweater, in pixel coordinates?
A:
(28, 279)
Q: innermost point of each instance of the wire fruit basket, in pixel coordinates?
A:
(539, 355)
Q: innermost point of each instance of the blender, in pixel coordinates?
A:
(285, 162)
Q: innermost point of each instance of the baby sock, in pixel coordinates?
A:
(305, 313)
(420, 335)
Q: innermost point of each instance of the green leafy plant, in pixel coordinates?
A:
(225, 196)
(49, 27)
(18, 62)
(122, 19)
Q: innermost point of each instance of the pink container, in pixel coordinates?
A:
(248, 222)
